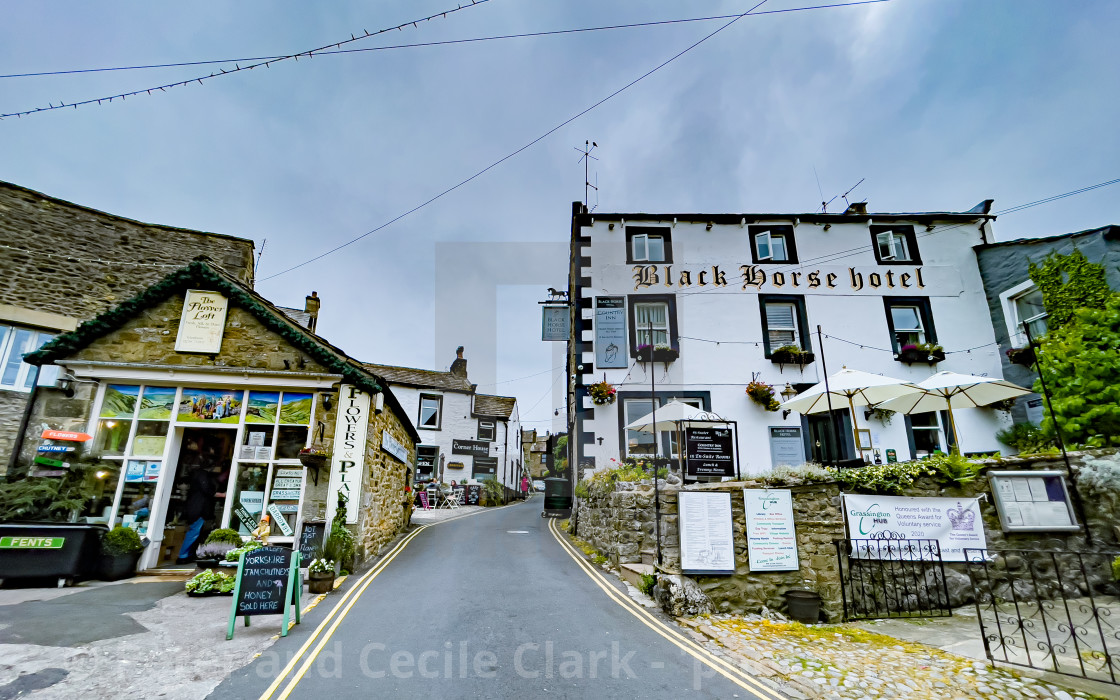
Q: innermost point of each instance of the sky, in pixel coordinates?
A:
(935, 104)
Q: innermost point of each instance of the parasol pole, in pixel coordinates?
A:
(855, 426)
(828, 395)
(656, 448)
(953, 423)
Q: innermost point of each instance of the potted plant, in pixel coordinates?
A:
(602, 393)
(791, 355)
(928, 353)
(211, 582)
(315, 457)
(120, 551)
(762, 394)
(657, 353)
(1021, 356)
(320, 574)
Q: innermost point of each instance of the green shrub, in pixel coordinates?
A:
(891, 479)
(630, 469)
(954, 468)
(494, 492)
(1116, 569)
(121, 540)
(1024, 438)
(235, 554)
(340, 546)
(210, 580)
(648, 583)
(53, 499)
(808, 473)
(224, 535)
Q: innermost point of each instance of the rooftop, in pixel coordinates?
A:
(422, 378)
(496, 406)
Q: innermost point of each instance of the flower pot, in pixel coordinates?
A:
(804, 606)
(912, 355)
(314, 461)
(320, 581)
(781, 358)
(114, 567)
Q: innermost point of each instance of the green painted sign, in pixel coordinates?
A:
(50, 462)
(32, 542)
(892, 457)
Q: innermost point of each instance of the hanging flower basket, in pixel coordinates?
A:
(1021, 356)
(791, 355)
(762, 394)
(314, 457)
(602, 393)
(659, 353)
(926, 353)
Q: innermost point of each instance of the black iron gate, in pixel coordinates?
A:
(1051, 610)
(892, 578)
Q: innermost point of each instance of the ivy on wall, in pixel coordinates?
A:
(1068, 283)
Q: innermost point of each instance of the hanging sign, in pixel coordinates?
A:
(709, 452)
(771, 537)
(610, 333)
(554, 323)
(349, 459)
(707, 545)
(56, 448)
(393, 446)
(202, 322)
(65, 435)
(954, 522)
(476, 448)
(268, 583)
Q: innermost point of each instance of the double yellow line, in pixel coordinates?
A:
(674, 637)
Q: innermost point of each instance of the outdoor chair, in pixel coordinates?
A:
(453, 499)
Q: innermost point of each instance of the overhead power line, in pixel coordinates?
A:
(310, 53)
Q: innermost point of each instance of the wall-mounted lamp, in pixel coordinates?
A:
(379, 402)
(788, 393)
(708, 227)
(796, 221)
(674, 222)
(610, 226)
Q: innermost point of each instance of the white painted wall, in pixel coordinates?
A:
(731, 316)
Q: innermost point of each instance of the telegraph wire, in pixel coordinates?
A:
(528, 376)
(524, 35)
(311, 53)
(862, 346)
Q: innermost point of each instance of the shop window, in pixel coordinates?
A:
(16, 342)
(653, 321)
(431, 406)
(427, 457)
(248, 497)
(648, 244)
(895, 245)
(485, 468)
(486, 429)
(124, 406)
(910, 321)
(784, 321)
(772, 244)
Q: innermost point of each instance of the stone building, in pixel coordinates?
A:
(1013, 299)
(198, 372)
(62, 263)
(466, 436)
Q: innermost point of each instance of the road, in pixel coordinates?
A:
(492, 605)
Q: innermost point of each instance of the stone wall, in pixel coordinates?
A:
(620, 524)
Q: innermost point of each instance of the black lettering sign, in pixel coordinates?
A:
(709, 452)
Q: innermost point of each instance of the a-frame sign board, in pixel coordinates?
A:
(268, 583)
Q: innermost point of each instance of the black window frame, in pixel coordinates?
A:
(662, 396)
(924, 311)
(475, 464)
(632, 299)
(907, 230)
(420, 412)
(802, 320)
(435, 459)
(786, 230)
(666, 234)
(493, 429)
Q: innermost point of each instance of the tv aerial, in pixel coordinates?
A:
(586, 157)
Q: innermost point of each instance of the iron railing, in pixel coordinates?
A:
(892, 578)
(1050, 610)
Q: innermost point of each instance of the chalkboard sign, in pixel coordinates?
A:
(471, 494)
(709, 452)
(268, 583)
(311, 540)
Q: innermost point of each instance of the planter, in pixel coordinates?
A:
(73, 551)
(804, 606)
(783, 357)
(207, 594)
(1021, 356)
(314, 461)
(912, 355)
(114, 567)
(657, 355)
(320, 582)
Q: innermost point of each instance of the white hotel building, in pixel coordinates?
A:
(726, 290)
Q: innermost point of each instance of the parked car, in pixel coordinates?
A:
(538, 485)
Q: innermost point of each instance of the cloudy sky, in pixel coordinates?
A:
(937, 104)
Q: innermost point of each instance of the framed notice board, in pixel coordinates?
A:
(707, 543)
(1033, 501)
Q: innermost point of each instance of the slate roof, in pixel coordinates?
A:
(300, 316)
(496, 406)
(421, 378)
(1110, 232)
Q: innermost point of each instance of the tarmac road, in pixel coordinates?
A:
(487, 606)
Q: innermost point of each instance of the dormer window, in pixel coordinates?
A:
(648, 244)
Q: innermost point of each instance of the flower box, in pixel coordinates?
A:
(1021, 356)
(927, 354)
(661, 353)
(791, 356)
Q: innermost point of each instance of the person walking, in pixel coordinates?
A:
(200, 503)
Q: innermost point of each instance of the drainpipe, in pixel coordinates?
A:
(23, 421)
(505, 449)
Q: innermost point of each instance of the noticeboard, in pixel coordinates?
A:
(786, 446)
(709, 452)
(1033, 501)
(771, 535)
(268, 583)
(610, 333)
(707, 543)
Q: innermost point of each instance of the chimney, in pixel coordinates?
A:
(311, 306)
(459, 366)
(857, 208)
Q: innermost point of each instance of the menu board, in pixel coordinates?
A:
(471, 494)
(1032, 501)
(709, 452)
(267, 584)
(707, 545)
(771, 537)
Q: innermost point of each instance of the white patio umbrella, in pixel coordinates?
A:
(854, 386)
(942, 390)
(670, 416)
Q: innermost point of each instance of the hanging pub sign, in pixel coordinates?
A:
(610, 333)
(475, 448)
(202, 322)
(709, 452)
(348, 461)
(707, 544)
(268, 583)
(554, 323)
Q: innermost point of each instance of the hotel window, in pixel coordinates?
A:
(430, 411)
(648, 244)
(895, 245)
(486, 429)
(910, 321)
(783, 321)
(485, 469)
(638, 443)
(925, 433)
(772, 244)
(653, 321)
(14, 344)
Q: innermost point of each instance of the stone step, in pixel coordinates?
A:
(633, 573)
(649, 556)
